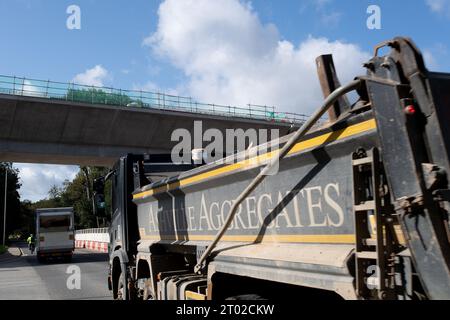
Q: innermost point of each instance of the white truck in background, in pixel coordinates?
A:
(55, 233)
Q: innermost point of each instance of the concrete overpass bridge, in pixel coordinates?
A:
(64, 123)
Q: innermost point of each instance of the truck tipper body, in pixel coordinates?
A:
(356, 208)
(55, 233)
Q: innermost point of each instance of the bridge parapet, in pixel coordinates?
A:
(72, 92)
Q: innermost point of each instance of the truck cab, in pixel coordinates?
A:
(128, 174)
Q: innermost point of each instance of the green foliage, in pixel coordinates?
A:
(27, 224)
(14, 216)
(79, 195)
(3, 249)
(15, 236)
(98, 96)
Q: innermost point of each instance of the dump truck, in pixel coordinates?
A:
(55, 233)
(357, 207)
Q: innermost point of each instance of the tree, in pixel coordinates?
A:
(14, 216)
(79, 195)
(27, 224)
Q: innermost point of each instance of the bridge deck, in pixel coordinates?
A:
(39, 126)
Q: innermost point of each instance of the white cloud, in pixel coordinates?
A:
(436, 5)
(321, 3)
(37, 179)
(430, 60)
(93, 77)
(435, 55)
(326, 14)
(149, 86)
(331, 19)
(439, 6)
(230, 57)
(30, 90)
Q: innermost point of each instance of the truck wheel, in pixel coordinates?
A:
(120, 288)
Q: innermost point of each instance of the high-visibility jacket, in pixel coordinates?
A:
(30, 240)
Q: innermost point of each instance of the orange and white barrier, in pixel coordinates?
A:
(92, 239)
(92, 245)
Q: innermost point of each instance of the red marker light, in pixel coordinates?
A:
(410, 110)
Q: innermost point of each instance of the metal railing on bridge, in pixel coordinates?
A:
(139, 99)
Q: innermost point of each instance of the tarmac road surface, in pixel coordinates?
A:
(24, 278)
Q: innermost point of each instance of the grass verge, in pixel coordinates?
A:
(3, 249)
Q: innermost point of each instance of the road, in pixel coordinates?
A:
(23, 278)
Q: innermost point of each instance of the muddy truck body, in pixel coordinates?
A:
(355, 208)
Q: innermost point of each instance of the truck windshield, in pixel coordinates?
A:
(54, 223)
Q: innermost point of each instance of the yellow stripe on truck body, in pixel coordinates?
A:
(309, 199)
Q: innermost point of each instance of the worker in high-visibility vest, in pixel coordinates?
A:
(31, 242)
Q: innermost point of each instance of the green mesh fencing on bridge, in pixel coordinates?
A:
(138, 99)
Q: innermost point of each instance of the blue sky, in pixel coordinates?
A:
(36, 42)
(221, 51)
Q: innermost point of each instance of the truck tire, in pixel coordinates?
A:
(120, 288)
